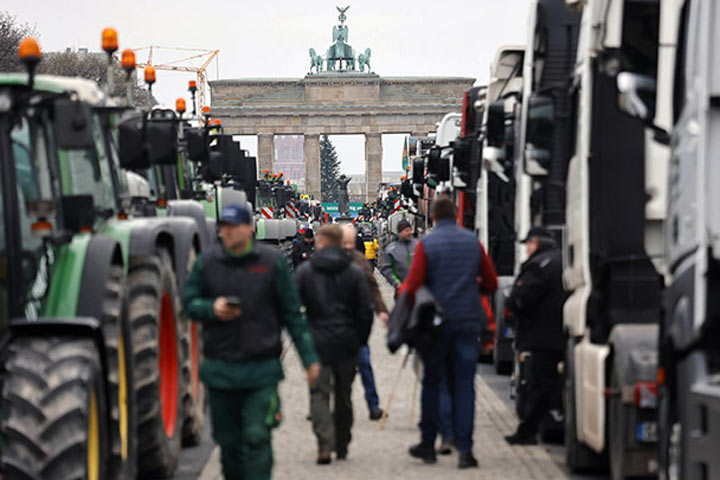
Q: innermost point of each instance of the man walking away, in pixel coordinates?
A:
(363, 361)
(537, 300)
(455, 267)
(398, 255)
(303, 248)
(337, 299)
(243, 294)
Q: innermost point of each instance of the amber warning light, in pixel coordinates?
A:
(109, 40)
(149, 74)
(29, 51)
(180, 105)
(192, 86)
(128, 60)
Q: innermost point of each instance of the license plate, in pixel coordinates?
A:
(646, 432)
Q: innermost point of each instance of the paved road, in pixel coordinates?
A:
(382, 454)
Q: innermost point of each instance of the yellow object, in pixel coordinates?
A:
(109, 40)
(123, 398)
(93, 438)
(371, 249)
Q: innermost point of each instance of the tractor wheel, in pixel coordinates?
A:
(154, 316)
(54, 410)
(118, 345)
(194, 398)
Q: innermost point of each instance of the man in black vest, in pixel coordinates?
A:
(537, 300)
(337, 299)
(244, 295)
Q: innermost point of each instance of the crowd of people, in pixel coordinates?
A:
(245, 293)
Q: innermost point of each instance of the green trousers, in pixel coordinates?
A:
(242, 421)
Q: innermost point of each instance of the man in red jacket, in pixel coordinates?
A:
(453, 264)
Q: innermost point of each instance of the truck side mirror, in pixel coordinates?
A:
(636, 95)
(496, 124)
(132, 145)
(539, 135)
(73, 124)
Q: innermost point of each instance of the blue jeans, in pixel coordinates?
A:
(445, 421)
(454, 354)
(367, 377)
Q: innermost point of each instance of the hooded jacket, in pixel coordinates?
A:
(396, 261)
(338, 304)
(537, 299)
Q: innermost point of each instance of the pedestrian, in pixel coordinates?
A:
(371, 247)
(536, 300)
(398, 255)
(303, 248)
(453, 264)
(337, 300)
(363, 361)
(244, 295)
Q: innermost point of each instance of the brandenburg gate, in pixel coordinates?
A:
(343, 98)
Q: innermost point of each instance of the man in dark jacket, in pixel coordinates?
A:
(337, 299)
(303, 247)
(454, 266)
(378, 304)
(537, 300)
(244, 295)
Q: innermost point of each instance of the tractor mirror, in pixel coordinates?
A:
(162, 143)
(78, 212)
(418, 171)
(73, 125)
(496, 124)
(132, 145)
(196, 145)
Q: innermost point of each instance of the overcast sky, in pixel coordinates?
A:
(271, 38)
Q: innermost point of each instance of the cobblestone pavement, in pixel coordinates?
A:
(382, 454)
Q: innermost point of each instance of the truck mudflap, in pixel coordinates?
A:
(703, 426)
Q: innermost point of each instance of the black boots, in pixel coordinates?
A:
(467, 460)
(426, 453)
(517, 439)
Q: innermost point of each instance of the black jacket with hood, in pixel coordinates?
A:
(338, 304)
(537, 300)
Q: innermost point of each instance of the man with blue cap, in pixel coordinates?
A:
(243, 294)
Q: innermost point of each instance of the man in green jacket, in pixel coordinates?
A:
(244, 295)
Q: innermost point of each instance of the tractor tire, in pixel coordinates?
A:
(194, 397)
(120, 365)
(54, 410)
(155, 314)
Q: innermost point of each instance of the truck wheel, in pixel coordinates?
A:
(154, 314)
(577, 456)
(54, 410)
(120, 365)
(194, 397)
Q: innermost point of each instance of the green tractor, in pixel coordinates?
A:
(96, 342)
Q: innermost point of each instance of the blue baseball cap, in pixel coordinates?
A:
(235, 215)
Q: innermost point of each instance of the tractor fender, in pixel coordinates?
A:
(185, 236)
(192, 209)
(635, 352)
(146, 233)
(85, 327)
(102, 253)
